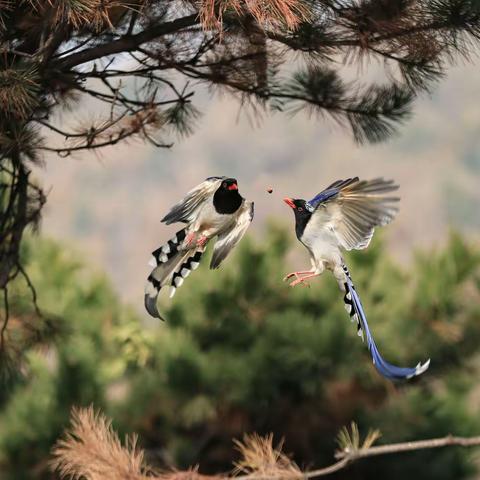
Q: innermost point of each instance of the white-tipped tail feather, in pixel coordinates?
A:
(172, 264)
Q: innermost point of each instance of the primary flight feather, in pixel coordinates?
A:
(343, 217)
(214, 208)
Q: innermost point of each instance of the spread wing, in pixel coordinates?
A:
(352, 209)
(184, 211)
(228, 239)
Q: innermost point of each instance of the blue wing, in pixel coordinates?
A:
(392, 372)
(331, 191)
(323, 197)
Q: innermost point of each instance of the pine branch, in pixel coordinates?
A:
(127, 43)
(91, 449)
(371, 114)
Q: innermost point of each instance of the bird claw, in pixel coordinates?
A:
(300, 281)
(189, 239)
(297, 275)
(290, 275)
(202, 241)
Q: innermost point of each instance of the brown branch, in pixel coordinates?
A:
(91, 134)
(410, 446)
(347, 457)
(127, 43)
(32, 289)
(6, 318)
(260, 460)
(292, 42)
(66, 151)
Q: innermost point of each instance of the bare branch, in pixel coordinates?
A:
(32, 289)
(66, 151)
(127, 43)
(90, 446)
(5, 319)
(449, 440)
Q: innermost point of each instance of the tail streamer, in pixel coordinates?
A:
(354, 307)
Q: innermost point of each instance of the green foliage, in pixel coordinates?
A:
(73, 368)
(241, 352)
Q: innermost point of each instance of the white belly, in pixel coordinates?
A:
(323, 246)
(209, 222)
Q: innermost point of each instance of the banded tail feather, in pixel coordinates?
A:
(167, 251)
(190, 264)
(348, 299)
(354, 307)
(172, 264)
(152, 289)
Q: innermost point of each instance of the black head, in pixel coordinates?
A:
(226, 199)
(302, 213)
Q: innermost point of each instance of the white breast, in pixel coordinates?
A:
(321, 240)
(209, 222)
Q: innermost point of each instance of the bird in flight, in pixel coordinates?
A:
(214, 208)
(343, 217)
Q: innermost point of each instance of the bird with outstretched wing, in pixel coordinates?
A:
(214, 208)
(343, 217)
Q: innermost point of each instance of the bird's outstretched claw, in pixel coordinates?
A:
(202, 240)
(189, 239)
(290, 275)
(300, 281)
(296, 274)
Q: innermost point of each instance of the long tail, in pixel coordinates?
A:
(172, 265)
(354, 307)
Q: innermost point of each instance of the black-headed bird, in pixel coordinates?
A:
(214, 208)
(343, 217)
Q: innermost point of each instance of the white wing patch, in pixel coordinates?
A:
(228, 239)
(357, 210)
(187, 208)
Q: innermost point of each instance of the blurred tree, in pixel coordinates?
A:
(56, 52)
(240, 352)
(45, 372)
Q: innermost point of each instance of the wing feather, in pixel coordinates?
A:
(352, 209)
(228, 239)
(185, 210)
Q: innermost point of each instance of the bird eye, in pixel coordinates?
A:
(224, 185)
(300, 209)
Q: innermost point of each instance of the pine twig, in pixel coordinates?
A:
(92, 432)
(349, 457)
(446, 441)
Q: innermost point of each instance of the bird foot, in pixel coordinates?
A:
(201, 242)
(290, 275)
(300, 281)
(296, 275)
(189, 239)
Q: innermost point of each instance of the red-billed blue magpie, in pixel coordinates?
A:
(344, 216)
(213, 208)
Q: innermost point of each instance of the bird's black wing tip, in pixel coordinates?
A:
(151, 307)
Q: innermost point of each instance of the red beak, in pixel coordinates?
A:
(233, 186)
(289, 202)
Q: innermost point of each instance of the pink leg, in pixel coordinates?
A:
(296, 274)
(302, 280)
(202, 240)
(189, 239)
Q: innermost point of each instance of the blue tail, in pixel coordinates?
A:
(355, 309)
